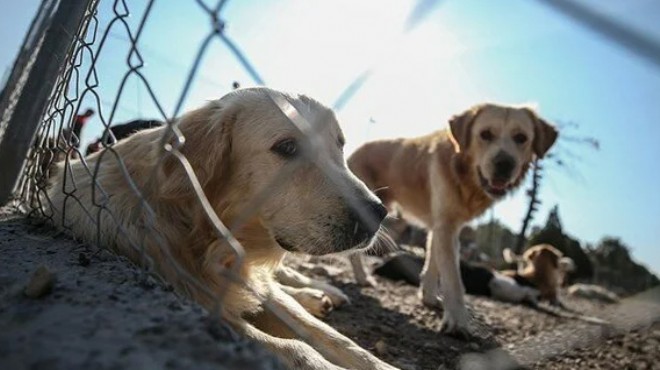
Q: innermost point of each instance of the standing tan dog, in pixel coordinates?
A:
(446, 179)
(248, 157)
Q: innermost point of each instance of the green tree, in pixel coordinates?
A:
(562, 156)
(492, 237)
(616, 269)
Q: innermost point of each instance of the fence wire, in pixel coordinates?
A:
(55, 143)
(79, 80)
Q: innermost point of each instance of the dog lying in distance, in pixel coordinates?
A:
(478, 280)
(542, 266)
(120, 132)
(447, 178)
(236, 146)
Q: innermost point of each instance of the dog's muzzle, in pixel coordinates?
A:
(496, 188)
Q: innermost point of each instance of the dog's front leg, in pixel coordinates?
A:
(443, 260)
(334, 346)
(455, 318)
(362, 276)
(293, 353)
(430, 279)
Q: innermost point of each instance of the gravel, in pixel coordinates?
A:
(96, 310)
(88, 309)
(506, 335)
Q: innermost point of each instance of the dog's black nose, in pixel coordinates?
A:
(371, 214)
(504, 165)
(378, 210)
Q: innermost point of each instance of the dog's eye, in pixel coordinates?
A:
(487, 135)
(520, 138)
(287, 148)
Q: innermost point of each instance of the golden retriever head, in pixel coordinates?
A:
(500, 142)
(287, 174)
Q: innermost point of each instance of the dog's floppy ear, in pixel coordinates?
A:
(510, 257)
(531, 253)
(207, 147)
(460, 128)
(545, 134)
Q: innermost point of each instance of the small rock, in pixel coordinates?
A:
(83, 260)
(41, 283)
(381, 347)
(406, 365)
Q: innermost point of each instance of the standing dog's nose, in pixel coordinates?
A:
(503, 164)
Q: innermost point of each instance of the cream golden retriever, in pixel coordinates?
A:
(279, 187)
(446, 179)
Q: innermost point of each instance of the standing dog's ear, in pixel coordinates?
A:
(460, 128)
(207, 147)
(545, 135)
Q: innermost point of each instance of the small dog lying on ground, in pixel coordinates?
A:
(541, 266)
(447, 178)
(236, 146)
(478, 280)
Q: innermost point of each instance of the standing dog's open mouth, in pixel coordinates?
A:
(494, 189)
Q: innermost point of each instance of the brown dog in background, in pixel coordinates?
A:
(541, 266)
(446, 179)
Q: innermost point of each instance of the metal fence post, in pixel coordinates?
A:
(30, 41)
(34, 97)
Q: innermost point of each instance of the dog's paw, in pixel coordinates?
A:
(455, 325)
(335, 294)
(430, 300)
(368, 282)
(315, 302)
(325, 306)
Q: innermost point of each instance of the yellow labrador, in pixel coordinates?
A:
(279, 189)
(446, 179)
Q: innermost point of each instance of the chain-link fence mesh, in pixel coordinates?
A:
(79, 83)
(58, 141)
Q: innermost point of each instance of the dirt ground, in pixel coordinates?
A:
(103, 313)
(409, 332)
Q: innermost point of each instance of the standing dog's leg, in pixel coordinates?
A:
(362, 277)
(446, 247)
(430, 281)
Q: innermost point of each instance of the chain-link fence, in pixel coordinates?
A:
(73, 44)
(55, 78)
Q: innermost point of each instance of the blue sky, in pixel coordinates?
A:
(464, 52)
